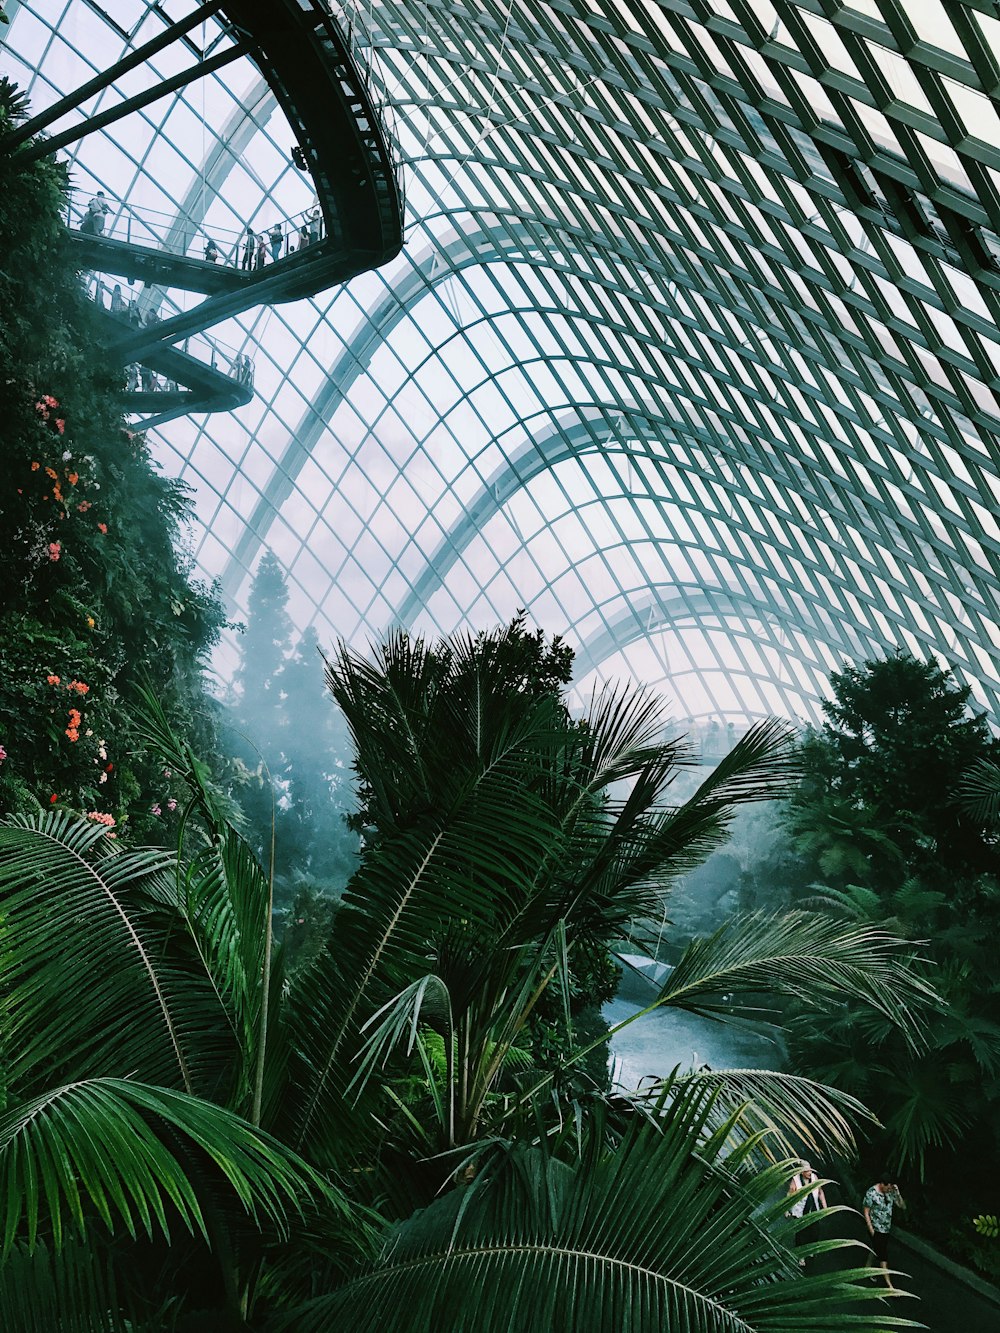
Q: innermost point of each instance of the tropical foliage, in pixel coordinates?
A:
(193, 1139)
(96, 587)
(895, 815)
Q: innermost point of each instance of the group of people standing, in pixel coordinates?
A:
(257, 246)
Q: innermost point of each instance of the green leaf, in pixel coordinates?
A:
(124, 1152)
(71, 1289)
(89, 977)
(815, 958)
(663, 1232)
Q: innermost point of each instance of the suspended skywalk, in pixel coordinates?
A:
(355, 224)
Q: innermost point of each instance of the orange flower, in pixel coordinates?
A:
(51, 472)
(83, 506)
(72, 477)
(102, 527)
(72, 733)
(78, 685)
(52, 680)
(35, 467)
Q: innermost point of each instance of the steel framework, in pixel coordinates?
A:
(691, 350)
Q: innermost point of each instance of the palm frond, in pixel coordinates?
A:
(656, 1234)
(979, 792)
(71, 1289)
(816, 958)
(398, 1020)
(787, 1113)
(226, 898)
(115, 1150)
(469, 865)
(88, 980)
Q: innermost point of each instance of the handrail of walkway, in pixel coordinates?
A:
(99, 215)
(201, 374)
(213, 352)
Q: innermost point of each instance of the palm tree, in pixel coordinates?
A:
(370, 1140)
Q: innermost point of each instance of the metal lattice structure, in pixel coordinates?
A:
(691, 350)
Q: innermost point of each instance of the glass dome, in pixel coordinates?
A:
(690, 351)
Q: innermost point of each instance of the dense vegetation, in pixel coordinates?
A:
(370, 1142)
(95, 590)
(402, 1123)
(882, 825)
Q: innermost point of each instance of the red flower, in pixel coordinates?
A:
(53, 798)
(102, 527)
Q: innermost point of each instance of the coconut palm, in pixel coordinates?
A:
(371, 1140)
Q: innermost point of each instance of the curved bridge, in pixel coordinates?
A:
(317, 79)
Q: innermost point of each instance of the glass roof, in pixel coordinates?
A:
(691, 350)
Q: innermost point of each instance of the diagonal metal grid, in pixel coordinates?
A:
(691, 350)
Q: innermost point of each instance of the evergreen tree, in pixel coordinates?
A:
(878, 817)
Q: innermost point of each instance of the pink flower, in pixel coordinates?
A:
(171, 804)
(98, 817)
(54, 550)
(155, 810)
(3, 754)
(103, 528)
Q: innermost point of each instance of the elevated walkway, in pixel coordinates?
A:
(318, 76)
(202, 375)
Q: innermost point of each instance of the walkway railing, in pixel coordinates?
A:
(99, 214)
(213, 353)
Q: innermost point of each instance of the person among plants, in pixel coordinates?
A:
(806, 1203)
(879, 1202)
(805, 1178)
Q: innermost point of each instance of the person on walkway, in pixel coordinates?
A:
(879, 1202)
(805, 1177)
(249, 246)
(117, 300)
(275, 237)
(93, 219)
(261, 250)
(211, 251)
